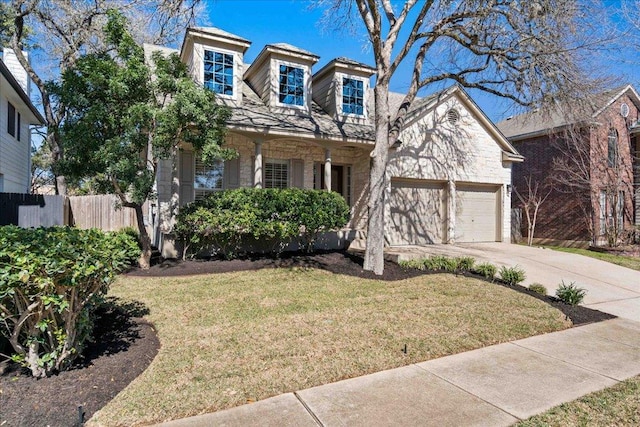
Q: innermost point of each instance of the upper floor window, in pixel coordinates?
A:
(208, 177)
(612, 150)
(352, 96)
(218, 72)
(11, 119)
(291, 90)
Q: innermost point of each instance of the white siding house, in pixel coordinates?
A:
(448, 180)
(17, 113)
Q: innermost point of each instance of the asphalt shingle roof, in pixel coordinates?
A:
(536, 121)
(253, 113)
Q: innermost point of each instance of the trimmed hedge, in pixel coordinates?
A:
(245, 220)
(50, 282)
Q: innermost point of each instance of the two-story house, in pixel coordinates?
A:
(296, 127)
(17, 113)
(588, 163)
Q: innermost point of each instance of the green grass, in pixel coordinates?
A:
(228, 339)
(624, 261)
(615, 406)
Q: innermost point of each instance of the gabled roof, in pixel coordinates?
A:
(213, 31)
(345, 64)
(537, 122)
(291, 48)
(422, 105)
(4, 71)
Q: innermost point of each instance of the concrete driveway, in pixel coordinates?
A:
(610, 288)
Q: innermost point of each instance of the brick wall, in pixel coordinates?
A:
(562, 216)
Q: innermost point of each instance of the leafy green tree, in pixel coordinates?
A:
(61, 31)
(120, 122)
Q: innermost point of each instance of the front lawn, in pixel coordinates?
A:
(624, 261)
(615, 406)
(232, 338)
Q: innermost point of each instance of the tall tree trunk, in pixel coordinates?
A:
(374, 252)
(145, 257)
(55, 148)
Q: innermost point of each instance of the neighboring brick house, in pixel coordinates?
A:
(590, 167)
(292, 127)
(17, 113)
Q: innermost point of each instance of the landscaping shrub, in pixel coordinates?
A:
(570, 294)
(243, 219)
(436, 262)
(50, 282)
(485, 269)
(538, 288)
(417, 264)
(512, 275)
(450, 265)
(465, 263)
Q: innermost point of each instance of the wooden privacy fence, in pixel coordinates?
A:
(100, 212)
(33, 210)
(36, 210)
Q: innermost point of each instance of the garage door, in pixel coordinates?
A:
(477, 213)
(417, 213)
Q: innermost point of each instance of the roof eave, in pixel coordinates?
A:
(266, 131)
(21, 93)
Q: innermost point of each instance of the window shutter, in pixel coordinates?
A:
(297, 173)
(186, 176)
(232, 173)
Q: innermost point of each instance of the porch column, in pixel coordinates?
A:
(451, 211)
(327, 169)
(257, 165)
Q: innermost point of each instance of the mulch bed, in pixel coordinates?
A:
(125, 344)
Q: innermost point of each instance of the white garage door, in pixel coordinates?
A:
(477, 213)
(417, 213)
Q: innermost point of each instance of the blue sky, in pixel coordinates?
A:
(297, 23)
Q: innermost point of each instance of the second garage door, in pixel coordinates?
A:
(477, 214)
(417, 213)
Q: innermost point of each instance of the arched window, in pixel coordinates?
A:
(612, 153)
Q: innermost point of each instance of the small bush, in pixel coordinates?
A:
(465, 263)
(51, 279)
(512, 275)
(570, 294)
(485, 269)
(450, 265)
(417, 264)
(436, 262)
(538, 288)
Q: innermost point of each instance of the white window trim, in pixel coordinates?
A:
(305, 97)
(236, 70)
(365, 91)
(204, 191)
(279, 162)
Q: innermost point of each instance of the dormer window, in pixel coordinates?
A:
(352, 96)
(291, 87)
(218, 72)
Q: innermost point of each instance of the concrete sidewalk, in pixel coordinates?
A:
(491, 386)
